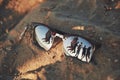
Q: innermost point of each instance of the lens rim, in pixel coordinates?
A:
(69, 50)
(93, 43)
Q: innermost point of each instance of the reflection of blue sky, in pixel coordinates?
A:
(40, 33)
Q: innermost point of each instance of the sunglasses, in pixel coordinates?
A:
(73, 45)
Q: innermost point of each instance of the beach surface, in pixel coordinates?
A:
(23, 59)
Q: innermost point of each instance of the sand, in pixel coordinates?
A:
(25, 60)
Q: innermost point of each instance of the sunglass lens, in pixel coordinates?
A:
(78, 47)
(44, 36)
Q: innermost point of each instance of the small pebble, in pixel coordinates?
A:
(1, 22)
(109, 59)
(7, 31)
(1, 49)
(8, 42)
(5, 52)
(91, 35)
(101, 38)
(114, 44)
(5, 66)
(93, 31)
(113, 17)
(9, 48)
(116, 60)
(15, 74)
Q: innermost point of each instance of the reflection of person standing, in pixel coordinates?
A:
(47, 36)
(88, 53)
(73, 45)
(78, 49)
(84, 51)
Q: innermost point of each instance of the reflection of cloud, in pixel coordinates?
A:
(78, 28)
(22, 6)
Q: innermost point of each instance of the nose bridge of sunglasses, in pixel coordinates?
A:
(59, 35)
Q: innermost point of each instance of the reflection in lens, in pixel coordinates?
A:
(44, 37)
(78, 47)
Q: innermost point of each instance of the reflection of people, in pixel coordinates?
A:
(84, 51)
(47, 36)
(73, 45)
(88, 53)
(79, 48)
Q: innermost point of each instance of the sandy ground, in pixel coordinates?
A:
(25, 60)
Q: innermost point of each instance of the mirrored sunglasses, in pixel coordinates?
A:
(73, 45)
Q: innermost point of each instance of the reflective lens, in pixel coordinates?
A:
(78, 47)
(44, 36)
(74, 46)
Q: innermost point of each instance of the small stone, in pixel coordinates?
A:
(1, 49)
(1, 22)
(113, 17)
(114, 44)
(18, 74)
(5, 52)
(109, 59)
(15, 74)
(48, 15)
(91, 35)
(9, 48)
(109, 78)
(101, 38)
(8, 42)
(5, 66)
(112, 0)
(7, 31)
(116, 60)
(93, 31)
(35, 72)
(62, 56)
